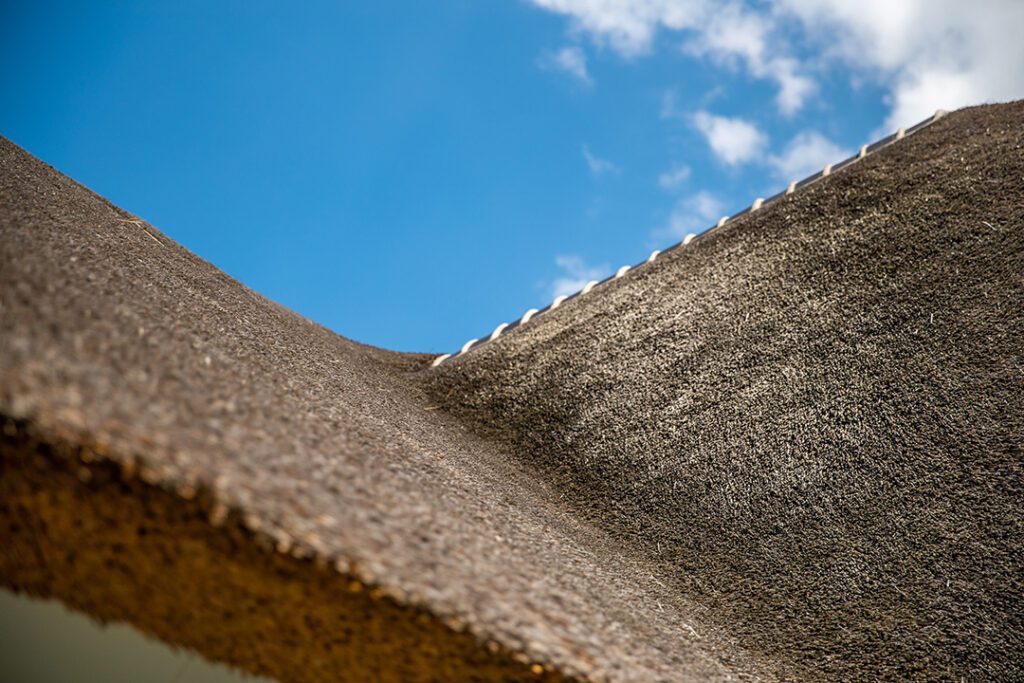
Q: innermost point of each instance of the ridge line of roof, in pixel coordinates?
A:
(758, 203)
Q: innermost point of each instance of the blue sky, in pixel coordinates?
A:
(411, 174)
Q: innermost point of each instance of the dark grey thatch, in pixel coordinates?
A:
(791, 450)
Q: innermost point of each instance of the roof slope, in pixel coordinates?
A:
(790, 450)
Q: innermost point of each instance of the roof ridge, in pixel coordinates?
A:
(758, 203)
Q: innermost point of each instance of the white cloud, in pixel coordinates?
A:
(724, 33)
(927, 54)
(692, 214)
(671, 179)
(805, 154)
(733, 140)
(597, 165)
(734, 34)
(570, 60)
(627, 26)
(576, 274)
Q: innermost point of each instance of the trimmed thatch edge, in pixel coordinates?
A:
(89, 530)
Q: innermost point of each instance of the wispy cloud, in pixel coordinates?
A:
(627, 27)
(576, 273)
(692, 214)
(597, 165)
(729, 34)
(570, 60)
(805, 154)
(733, 140)
(735, 34)
(670, 107)
(673, 178)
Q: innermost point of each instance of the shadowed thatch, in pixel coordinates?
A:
(790, 450)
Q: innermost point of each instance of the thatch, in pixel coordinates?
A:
(792, 449)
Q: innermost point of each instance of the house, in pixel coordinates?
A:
(791, 449)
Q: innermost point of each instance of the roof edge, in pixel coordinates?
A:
(758, 203)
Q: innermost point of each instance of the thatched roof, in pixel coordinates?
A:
(792, 449)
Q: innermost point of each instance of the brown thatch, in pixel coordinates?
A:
(792, 449)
